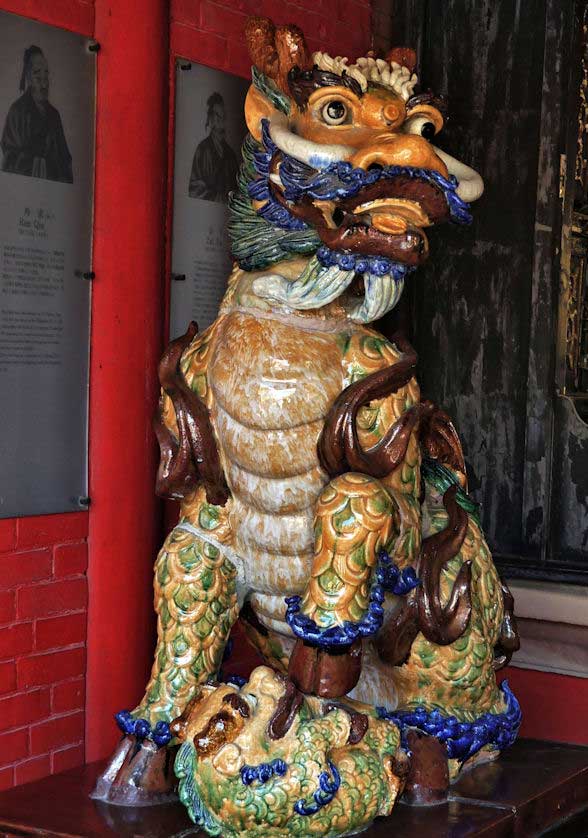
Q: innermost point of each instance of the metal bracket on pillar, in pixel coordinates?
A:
(185, 65)
(93, 46)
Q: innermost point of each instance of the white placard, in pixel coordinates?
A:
(47, 97)
(210, 128)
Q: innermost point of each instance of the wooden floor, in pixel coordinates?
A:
(535, 787)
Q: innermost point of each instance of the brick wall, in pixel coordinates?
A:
(76, 15)
(211, 31)
(43, 596)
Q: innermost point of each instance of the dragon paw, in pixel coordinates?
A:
(138, 774)
(327, 674)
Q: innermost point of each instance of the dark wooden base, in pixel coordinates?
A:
(535, 788)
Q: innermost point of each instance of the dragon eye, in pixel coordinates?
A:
(421, 125)
(334, 112)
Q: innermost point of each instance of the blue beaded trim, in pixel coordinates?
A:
(376, 265)
(341, 180)
(263, 772)
(327, 790)
(336, 181)
(388, 577)
(160, 734)
(259, 190)
(462, 739)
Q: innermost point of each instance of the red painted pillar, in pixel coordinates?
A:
(125, 347)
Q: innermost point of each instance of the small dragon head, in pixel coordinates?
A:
(264, 759)
(224, 763)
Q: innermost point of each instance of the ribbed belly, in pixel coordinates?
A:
(275, 480)
(273, 386)
(274, 539)
(270, 454)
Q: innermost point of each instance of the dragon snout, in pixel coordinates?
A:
(399, 150)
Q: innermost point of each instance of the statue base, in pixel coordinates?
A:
(530, 790)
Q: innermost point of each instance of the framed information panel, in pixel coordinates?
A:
(210, 128)
(47, 101)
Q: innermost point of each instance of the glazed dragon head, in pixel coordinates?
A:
(340, 165)
(266, 760)
(225, 732)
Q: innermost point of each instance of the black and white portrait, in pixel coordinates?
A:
(214, 166)
(209, 132)
(33, 141)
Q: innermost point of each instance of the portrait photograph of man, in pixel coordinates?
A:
(214, 166)
(33, 141)
(209, 129)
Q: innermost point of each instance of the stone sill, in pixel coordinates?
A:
(553, 624)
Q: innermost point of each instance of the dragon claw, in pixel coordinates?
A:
(138, 774)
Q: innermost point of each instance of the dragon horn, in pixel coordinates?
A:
(292, 52)
(260, 37)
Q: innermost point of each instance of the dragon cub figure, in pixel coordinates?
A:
(322, 501)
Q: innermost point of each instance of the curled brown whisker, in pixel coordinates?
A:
(339, 448)
(443, 624)
(509, 641)
(192, 458)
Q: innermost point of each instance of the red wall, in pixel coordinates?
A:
(76, 15)
(554, 707)
(126, 343)
(42, 645)
(212, 32)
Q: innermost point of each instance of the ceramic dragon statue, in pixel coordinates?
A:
(322, 500)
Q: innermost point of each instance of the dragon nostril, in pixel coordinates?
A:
(338, 216)
(375, 167)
